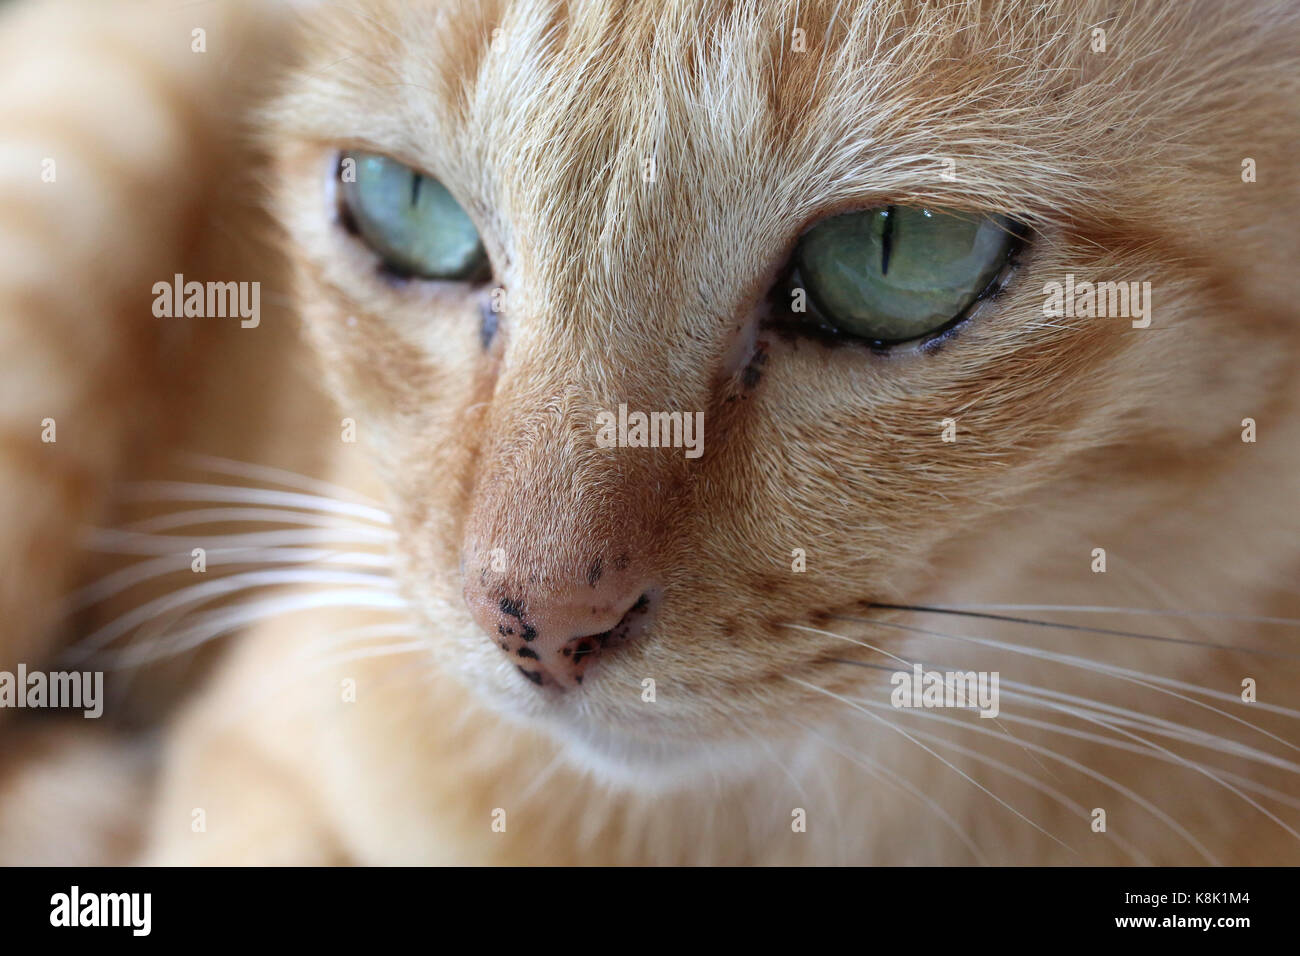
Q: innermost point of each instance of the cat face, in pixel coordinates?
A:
(639, 176)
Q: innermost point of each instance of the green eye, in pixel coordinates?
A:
(898, 273)
(410, 220)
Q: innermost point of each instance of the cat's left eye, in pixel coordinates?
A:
(898, 273)
(409, 219)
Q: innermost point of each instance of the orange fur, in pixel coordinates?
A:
(1073, 434)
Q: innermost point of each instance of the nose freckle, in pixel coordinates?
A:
(555, 634)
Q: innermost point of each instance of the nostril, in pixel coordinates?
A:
(552, 643)
(579, 650)
(552, 626)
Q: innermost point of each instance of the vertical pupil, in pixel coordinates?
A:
(886, 240)
(416, 180)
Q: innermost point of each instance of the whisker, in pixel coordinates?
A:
(356, 635)
(1057, 625)
(126, 578)
(1017, 774)
(1199, 769)
(383, 650)
(1240, 780)
(238, 494)
(313, 664)
(1069, 762)
(758, 738)
(1148, 722)
(229, 515)
(1100, 609)
(1121, 673)
(112, 541)
(850, 640)
(828, 788)
(1158, 726)
(938, 757)
(206, 590)
(908, 664)
(1110, 724)
(880, 771)
(225, 620)
(275, 476)
(1116, 744)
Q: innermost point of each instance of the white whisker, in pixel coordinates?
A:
(1195, 766)
(1149, 681)
(231, 515)
(1075, 765)
(207, 590)
(313, 664)
(1152, 724)
(143, 571)
(225, 620)
(762, 741)
(889, 776)
(276, 476)
(127, 542)
(938, 757)
(383, 650)
(236, 494)
(1017, 774)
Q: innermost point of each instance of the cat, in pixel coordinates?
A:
(519, 646)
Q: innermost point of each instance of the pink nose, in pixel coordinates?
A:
(554, 634)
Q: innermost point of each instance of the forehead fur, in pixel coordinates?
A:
(822, 100)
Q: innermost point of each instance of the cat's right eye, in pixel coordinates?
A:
(409, 219)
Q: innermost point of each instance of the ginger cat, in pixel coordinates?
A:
(853, 238)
